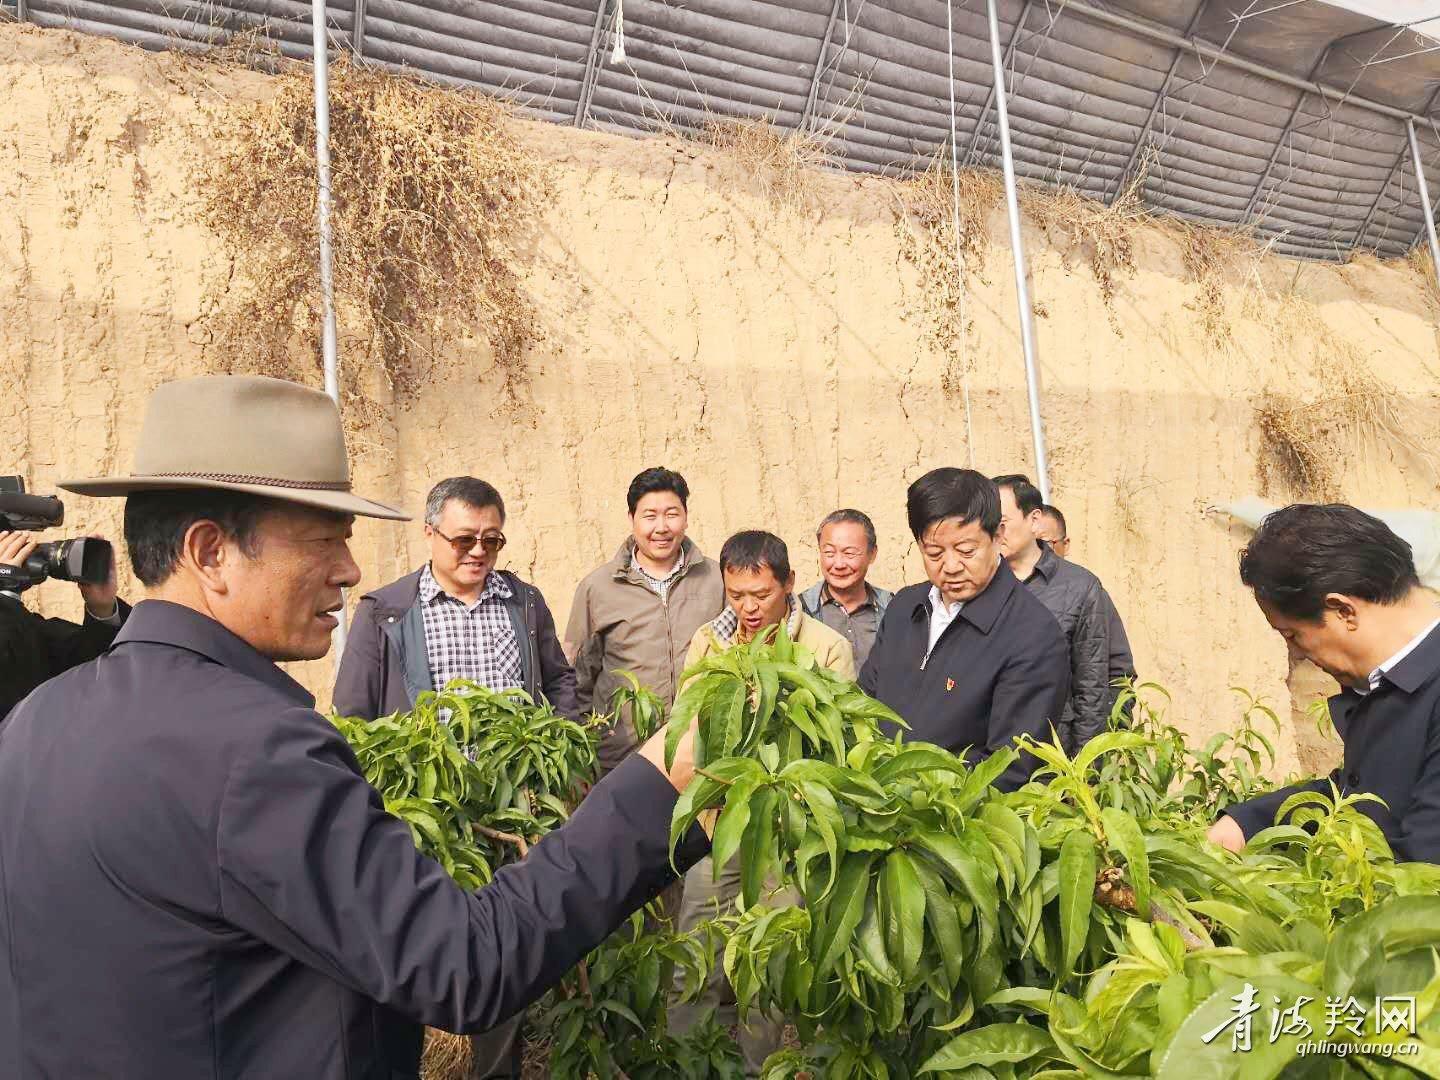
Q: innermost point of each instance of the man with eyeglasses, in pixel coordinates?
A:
(457, 617)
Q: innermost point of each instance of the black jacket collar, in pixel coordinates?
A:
(160, 622)
(1048, 563)
(1421, 665)
(982, 611)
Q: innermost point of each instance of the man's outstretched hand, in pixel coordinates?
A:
(683, 770)
(1227, 833)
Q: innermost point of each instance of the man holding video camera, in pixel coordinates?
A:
(34, 648)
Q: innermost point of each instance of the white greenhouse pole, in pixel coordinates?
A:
(1424, 195)
(321, 45)
(1022, 290)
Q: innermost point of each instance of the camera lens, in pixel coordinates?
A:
(83, 559)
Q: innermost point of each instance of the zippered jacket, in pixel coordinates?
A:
(999, 670)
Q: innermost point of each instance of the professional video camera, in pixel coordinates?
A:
(84, 559)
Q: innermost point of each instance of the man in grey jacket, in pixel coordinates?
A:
(1074, 596)
(843, 599)
(455, 617)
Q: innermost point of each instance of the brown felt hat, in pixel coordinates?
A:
(242, 433)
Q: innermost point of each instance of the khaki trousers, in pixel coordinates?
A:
(704, 898)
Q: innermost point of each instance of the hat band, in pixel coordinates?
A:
(240, 478)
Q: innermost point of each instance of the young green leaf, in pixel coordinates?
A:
(1077, 894)
(992, 1045)
(902, 913)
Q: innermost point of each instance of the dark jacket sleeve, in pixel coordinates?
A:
(359, 682)
(76, 643)
(311, 863)
(557, 677)
(1258, 813)
(34, 649)
(1029, 697)
(1090, 668)
(1417, 836)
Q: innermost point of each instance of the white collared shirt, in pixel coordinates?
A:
(940, 617)
(1410, 647)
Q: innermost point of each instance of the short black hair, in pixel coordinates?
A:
(1055, 513)
(474, 493)
(754, 549)
(1027, 495)
(946, 493)
(653, 480)
(852, 517)
(1303, 552)
(156, 523)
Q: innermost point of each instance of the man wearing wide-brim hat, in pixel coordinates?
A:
(195, 879)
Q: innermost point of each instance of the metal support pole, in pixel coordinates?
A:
(22, 10)
(321, 45)
(1022, 290)
(990, 97)
(357, 33)
(1424, 194)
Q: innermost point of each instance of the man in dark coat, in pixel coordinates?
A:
(970, 659)
(34, 648)
(1051, 530)
(195, 878)
(455, 617)
(1340, 587)
(1074, 596)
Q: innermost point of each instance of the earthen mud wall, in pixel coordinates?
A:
(778, 357)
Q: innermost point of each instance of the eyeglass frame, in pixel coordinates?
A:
(454, 542)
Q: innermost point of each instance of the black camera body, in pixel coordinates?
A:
(83, 559)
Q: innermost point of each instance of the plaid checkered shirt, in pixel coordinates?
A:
(725, 625)
(659, 586)
(470, 641)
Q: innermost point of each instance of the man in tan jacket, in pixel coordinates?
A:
(759, 595)
(638, 612)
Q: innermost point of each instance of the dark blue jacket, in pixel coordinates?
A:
(197, 881)
(1392, 749)
(1001, 669)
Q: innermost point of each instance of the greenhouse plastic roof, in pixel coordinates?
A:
(1287, 116)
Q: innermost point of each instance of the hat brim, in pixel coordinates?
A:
(339, 501)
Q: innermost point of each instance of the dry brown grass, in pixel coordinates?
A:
(781, 165)
(446, 1057)
(434, 201)
(925, 226)
(1211, 255)
(1308, 443)
(1129, 491)
(1420, 261)
(1074, 224)
(1104, 235)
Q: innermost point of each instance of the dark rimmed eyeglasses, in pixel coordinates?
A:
(463, 545)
